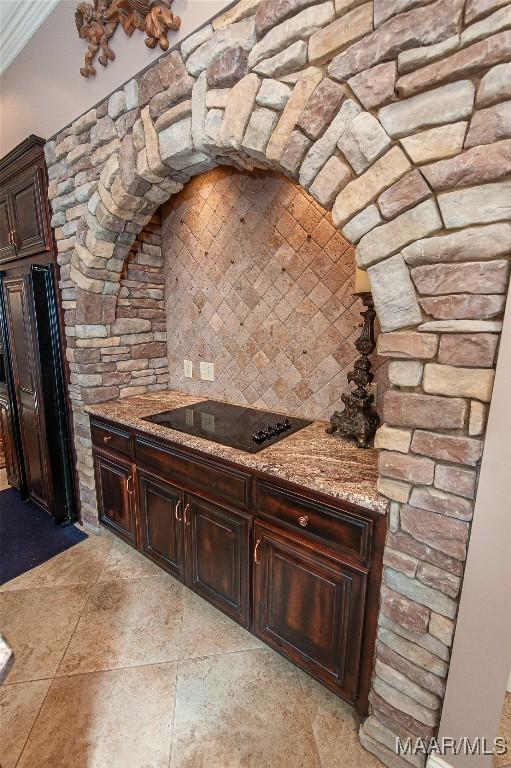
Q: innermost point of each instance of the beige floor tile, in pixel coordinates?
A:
(335, 726)
(504, 761)
(19, 705)
(127, 623)
(38, 624)
(124, 562)
(116, 719)
(241, 710)
(80, 564)
(207, 632)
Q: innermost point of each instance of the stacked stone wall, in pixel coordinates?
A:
(397, 117)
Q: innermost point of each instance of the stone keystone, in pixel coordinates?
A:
(293, 109)
(238, 110)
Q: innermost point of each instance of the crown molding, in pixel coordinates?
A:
(19, 24)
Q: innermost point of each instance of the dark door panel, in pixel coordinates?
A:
(310, 608)
(30, 230)
(7, 250)
(218, 556)
(161, 522)
(11, 458)
(114, 488)
(24, 370)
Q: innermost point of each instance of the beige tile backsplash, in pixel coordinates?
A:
(259, 282)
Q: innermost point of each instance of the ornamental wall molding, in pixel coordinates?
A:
(97, 23)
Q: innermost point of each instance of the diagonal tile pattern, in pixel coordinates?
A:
(131, 670)
(260, 282)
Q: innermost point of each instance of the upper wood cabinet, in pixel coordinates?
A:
(24, 217)
(7, 249)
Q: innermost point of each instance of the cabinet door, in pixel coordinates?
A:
(217, 556)
(28, 213)
(11, 459)
(7, 250)
(161, 522)
(114, 487)
(310, 608)
(24, 368)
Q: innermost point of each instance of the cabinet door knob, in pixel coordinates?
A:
(107, 439)
(304, 521)
(257, 560)
(187, 509)
(178, 517)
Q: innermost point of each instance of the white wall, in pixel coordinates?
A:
(42, 90)
(482, 644)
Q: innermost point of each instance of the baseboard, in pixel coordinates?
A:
(437, 762)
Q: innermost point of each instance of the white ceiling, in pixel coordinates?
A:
(19, 20)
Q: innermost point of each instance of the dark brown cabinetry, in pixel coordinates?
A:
(24, 225)
(25, 371)
(33, 369)
(6, 428)
(161, 523)
(114, 482)
(299, 570)
(218, 556)
(309, 607)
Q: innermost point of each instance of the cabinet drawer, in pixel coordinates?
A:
(111, 438)
(219, 483)
(339, 530)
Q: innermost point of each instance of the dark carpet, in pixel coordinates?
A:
(29, 536)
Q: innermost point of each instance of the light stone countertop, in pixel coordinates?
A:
(309, 458)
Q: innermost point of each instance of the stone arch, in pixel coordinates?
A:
(393, 116)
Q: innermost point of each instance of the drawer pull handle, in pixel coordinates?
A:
(107, 439)
(304, 521)
(128, 485)
(178, 517)
(187, 509)
(257, 560)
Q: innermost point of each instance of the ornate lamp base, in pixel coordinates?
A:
(359, 419)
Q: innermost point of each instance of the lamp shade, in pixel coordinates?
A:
(362, 284)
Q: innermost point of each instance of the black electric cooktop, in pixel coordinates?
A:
(247, 429)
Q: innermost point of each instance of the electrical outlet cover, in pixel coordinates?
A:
(188, 367)
(207, 371)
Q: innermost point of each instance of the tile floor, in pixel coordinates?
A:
(118, 665)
